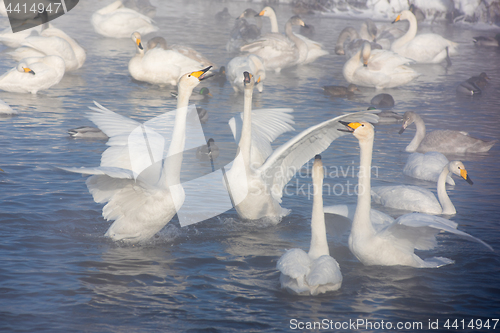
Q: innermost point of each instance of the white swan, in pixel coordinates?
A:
(394, 244)
(159, 66)
(33, 75)
(424, 48)
(14, 40)
(418, 199)
(349, 42)
(247, 63)
(278, 51)
(52, 41)
(381, 69)
(314, 49)
(427, 166)
(315, 272)
(182, 49)
(258, 175)
(443, 141)
(140, 207)
(116, 21)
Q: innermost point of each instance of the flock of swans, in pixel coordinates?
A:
(141, 204)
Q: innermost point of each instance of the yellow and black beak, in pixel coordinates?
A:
(465, 176)
(403, 128)
(397, 19)
(139, 44)
(350, 127)
(28, 70)
(247, 77)
(201, 75)
(262, 12)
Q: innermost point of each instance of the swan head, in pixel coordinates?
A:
(136, 37)
(248, 80)
(408, 119)
(318, 173)
(362, 130)
(458, 169)
(366, 51)
(23, 68)
(191, 80)
(404, 15)
(156, 42)
(296, 20)
(267, 11)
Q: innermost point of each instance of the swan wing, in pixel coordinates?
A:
(447, 141)
(284, 162)
(421, 229)
(406, 197)
(102, 170)
(294, 263)
(324, 271)
(267, 125)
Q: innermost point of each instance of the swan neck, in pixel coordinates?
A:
(419, 135)
(319, 243)
(274, 22)
(173, 162)
(246, 131)
(111, 7)
(351, 65)
(444, 199)
(361, 222)
(300, 45)
(409, 35)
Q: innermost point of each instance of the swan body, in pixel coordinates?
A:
(427, 166)
(314, 49)
(14, 40)
(87, 132)
(34, 74)
(443, 141)
(278, 51)
(116, 21)
(383, 69)
(182, 49)
(259, 174)
(159, 66)
(52, 41)
(314, 272)
(247, 63)
(140, 204)
(395, 243)
(424, 48)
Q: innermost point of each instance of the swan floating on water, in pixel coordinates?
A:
(443, 141)
(395, 243)
(34, 74)
(424, 48)
(315, 272)
(418, 199)
(427, 166)
(140, 207)
(379, 69)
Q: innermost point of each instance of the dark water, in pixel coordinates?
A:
(59, 274)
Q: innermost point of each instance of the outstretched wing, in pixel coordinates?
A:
(267, 125)
(282, 165)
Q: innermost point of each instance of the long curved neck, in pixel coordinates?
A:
(419, 135)
(348, 32)
(361, 223)
(444, 199)
(246, 131)
(172, 166)
(408, 36)
(300, 45)
(319, 243)
(274, 21)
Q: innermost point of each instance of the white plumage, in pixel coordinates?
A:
(427, 166)
(248, 63)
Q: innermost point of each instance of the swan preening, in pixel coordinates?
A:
(424, 48)
(443, 141)
(418, 199)
(314, 272)
(378, 69)
(395, 243)
(140, 204)
(259, 174)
